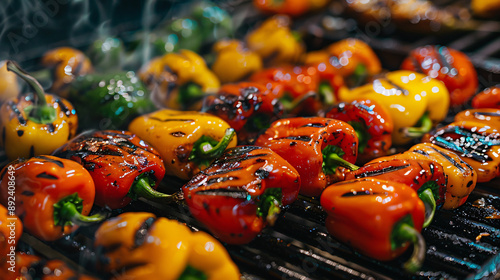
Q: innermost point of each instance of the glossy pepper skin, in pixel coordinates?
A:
(488, 98)
(476, 143)
(450, 66)
(353, 59)
(249, 108)
(461, 178)
(109, 101)
(66, 64)
(35, 124)
(50, 194)
(145, 242)
(414, 101)
(234, 61)
(119, 162)
(373, 125)
(369, 214)
(11, 229)
(486, 116)
(241, 192)
(187, 141)
(315, 146)
(275, 42)
(179, 80)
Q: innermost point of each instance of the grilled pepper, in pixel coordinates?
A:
(488, 98)
(109, 101)
(315, 147)
(275, 42)
(122, 165)
(234, 62)
(414, 101)
(287, 7)
(372, 123)
(139, 249)
(35, 124)
(11, 229)
(353, 59)
(486, 116)
(249, 108)
(460, 177)
(241, 192)
(52, 195)
(476, 143)
(450, 66)
(378, 218)
(179, 80)
(9, 88)
(187, 141)
(66, 64)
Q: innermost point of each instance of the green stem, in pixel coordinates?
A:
(359, 76)
(408, 233)
(325, 91)
(206, 150)
(190, 93)
(269, 208)
(290, 106)
(142, 188)
(427, 196)
(334, 160)
(191, 273)
(40, 112)
(68, 211)
(425, 125)
(362, 134)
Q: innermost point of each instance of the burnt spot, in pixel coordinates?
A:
(206, 206)
(217, 211)
(416, 181)
(45, 175)
(182, 153)
(299, 138)
(261, 173)
(314, 125)
(142, 232)
(362, 193)
(171, 120)
(28, 193)
(50, 127)
(32, 151)
(381, 171)
(20, 133)
(260, 160)
(178, 134)
(51, 160)
(293, 143)
(17, 112)
(232, 192)
(173, 161)
(469, 184)
(63, 107)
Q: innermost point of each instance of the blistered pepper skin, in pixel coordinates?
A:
(144, 241)
(450, 66)
(301, 142)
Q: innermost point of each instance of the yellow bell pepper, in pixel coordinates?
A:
(180, 80)
(234, 62)
(9, 88)
(143, 243)
(35, 124)
(187, 141)
(275, 42)
(415, 102)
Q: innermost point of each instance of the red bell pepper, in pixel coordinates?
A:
(488, 98)
(241, 192)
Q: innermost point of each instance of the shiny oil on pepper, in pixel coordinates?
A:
(487, 116)
(373, 125)
(52, 195)
(122, 165)
(179, 80)
(249, 108)
(136, 245)
(242, 192)
(377, 218)
(414, 101)
(314, 146)
(234, 62)
(187, 141)
(11, 229)
(35, 124)
(476, 143)
(488, 98)
(450, 66)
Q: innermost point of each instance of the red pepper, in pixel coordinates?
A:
(450, 66)
(488, 98)
(314, 146)
(241, 192)
(249, 108)
(122, 165)
(378, 218)
(51, 194)
(372, 123)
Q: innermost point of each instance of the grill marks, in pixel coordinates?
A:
(17, 112)
(381, 171)
(45, 175)
(363, 193)
(143, 231)
(57, 162)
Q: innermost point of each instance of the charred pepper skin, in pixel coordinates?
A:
(373, 125)
(241, 192)
(450, 66)
(44, 187)
(8, 223)
(117, 161)
(180, 136)
(147, 241)
(488, 98)
(476, 143)
(249, 108)
(366, 214)
(309, 144)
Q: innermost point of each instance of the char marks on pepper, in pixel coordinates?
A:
(16, 111)
(143, 231)
(46, 175)
(381, 171)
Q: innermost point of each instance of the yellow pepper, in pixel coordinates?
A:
(234, 62)
(35, 124)
(158, 248)
(187, 141)
(275, 42)
(180, 80)
(9, 88)
(415, 102)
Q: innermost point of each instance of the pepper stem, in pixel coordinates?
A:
(425, 125)
(68, 212)
(40, 112)
(427, 196)
(362, 134)
(290, 106)
(270, 205)
(359, 75)
(191, 273)
(206, 150)
(325, 91)
(414, 263)
(142, 188)
(190, 93)
(332, 158)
